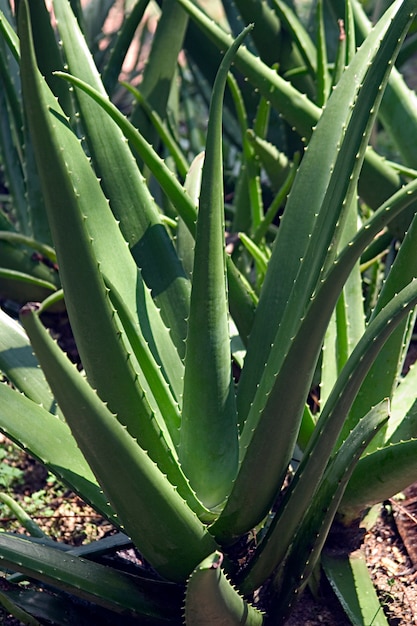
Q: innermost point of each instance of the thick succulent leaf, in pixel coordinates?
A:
(379, 178)
(90, 247)
(298, 34)
(398, 111)
(19, 364)
(124, 186)
(13, 608)
(211, 600)
(123, 593)
(402, 425)
(237, 519)
(385, 372)
(350, 579)
(119, 49)
(168, 533)
(161, 65)
(241, 297)
(209, 437)
(293, 573)
(163, 131)
(52, 444)
(266, 33)
(348, 321)
(49, 54)
(297, 508)
(379, 476)
(262, 463)
(306, 233)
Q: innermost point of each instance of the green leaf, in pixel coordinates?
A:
(350, 580)
(307, 543)
(52, 444)
(105, 586)
(379, 476)
(241, 297)
(211, 600)
(209, 438)
(128, 476)
(296, 347)
(90, 251)
(20, 366)
(126, 190)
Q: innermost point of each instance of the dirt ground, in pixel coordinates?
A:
(390, 547)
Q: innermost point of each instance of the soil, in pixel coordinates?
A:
(390, 547)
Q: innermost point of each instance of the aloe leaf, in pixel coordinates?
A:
(24, 519)
(241, 297)
(161, 64)
(105, 586)
(256, 253)
(380, 181)
(399, 105)
(49, 54)
(22, 287)
(185, 240)
(162, 129)
(123, 185)
(236, 519)
(209, 443)
(296, 508)
(403, 420)
(18, 363)
(276, 163)
(250, 188)
(306, 545)
(94, 15)
(131, 480)
(292, 278)
(18, 612)
(323, 77)
(350, 580)
(211, 599)
(52, 444)
(384, 374)
(298, 35)
(266, 32)
(348, 320)
(113, 67)
(379, 475)
(90, 245)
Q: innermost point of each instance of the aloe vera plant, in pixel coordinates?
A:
(197, 365)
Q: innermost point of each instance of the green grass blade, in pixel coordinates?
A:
(209, 439)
